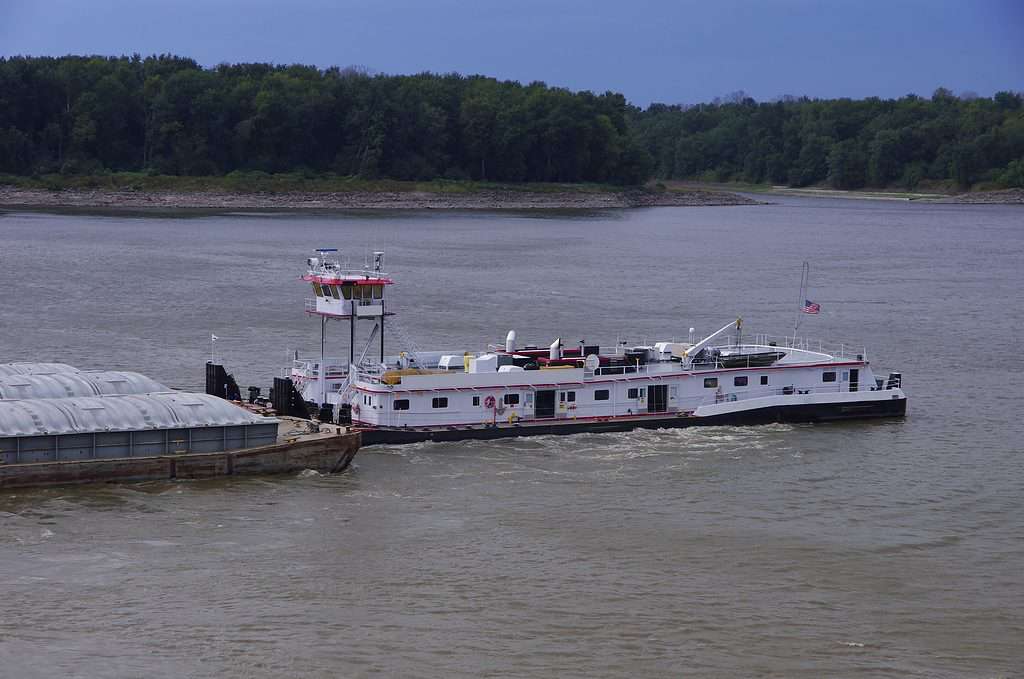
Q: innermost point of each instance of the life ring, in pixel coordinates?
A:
(489, 402)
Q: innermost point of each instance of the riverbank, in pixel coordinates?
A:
(996, 197)
(296, 192)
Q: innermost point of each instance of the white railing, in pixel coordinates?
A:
(841, 350)
(311, 368)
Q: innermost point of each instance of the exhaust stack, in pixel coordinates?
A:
(555, 351)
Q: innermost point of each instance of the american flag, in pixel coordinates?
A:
(811, 307)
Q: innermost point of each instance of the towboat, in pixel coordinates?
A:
(509, 389)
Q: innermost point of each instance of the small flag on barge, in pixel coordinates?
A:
(811, 307)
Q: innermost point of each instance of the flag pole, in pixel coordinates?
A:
(805, 273)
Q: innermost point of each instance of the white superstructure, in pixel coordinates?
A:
(508, 389)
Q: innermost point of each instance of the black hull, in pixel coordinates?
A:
(823, 412)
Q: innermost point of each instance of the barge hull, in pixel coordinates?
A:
(790, 414)
(326, 454)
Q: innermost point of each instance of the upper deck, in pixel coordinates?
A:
(524, 367)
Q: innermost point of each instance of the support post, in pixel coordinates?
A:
(352, 339)
(323, 359)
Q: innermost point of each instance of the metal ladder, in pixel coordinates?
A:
(404, 340)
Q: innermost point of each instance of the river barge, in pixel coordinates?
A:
(509, 389)
(61, 425)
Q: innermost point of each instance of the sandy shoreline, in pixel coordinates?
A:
(489, 199)
(997, 197)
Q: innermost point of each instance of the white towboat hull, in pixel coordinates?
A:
(791, 408)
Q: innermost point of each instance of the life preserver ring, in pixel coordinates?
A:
(489, 402)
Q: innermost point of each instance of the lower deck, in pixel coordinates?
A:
(538, 397)
(793, 408)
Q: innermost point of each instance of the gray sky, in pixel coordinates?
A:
(673, 52)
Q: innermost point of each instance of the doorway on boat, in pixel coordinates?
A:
(657, 398)
(854, 379)
(545, 404)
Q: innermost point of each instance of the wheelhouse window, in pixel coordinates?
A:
(400, 404)
(829, 376)
(439, 402)
(710, 382)
(346, 291)
(601, 395)
(764, 379)
(318, 290)
(511, 399)
(334, 291)
(739, 381)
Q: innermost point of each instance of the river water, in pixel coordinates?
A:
(891, 548)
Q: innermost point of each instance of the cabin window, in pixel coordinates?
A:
(511, 399)
(710, 382)
(739, 381)
(828, 376)
(476, 400)
(764, 379)
(439, 402)
(317, 289)
(400, 404)
(346, 291)
(633, 393)
(570, 396)
(601, 395)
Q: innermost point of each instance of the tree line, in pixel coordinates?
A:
(168, 115)
(847, 144)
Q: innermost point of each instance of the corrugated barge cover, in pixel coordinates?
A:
(26, 368)
(76, 383)
(133, 412)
